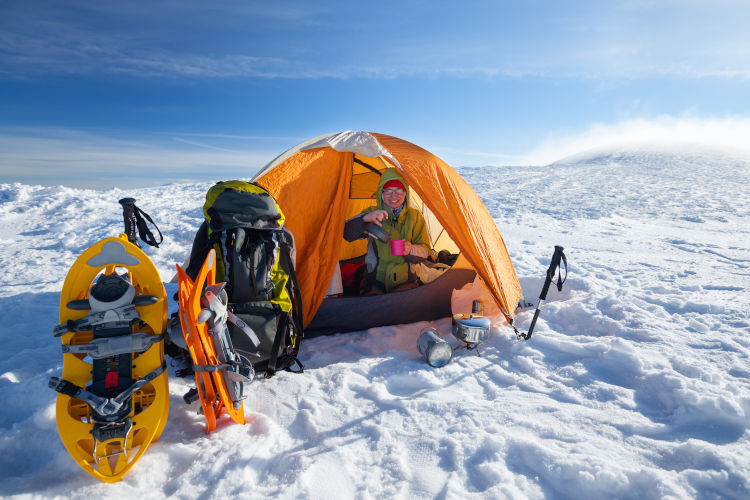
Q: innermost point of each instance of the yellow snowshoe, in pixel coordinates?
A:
(113, 396)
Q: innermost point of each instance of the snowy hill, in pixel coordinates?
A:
(636, 383)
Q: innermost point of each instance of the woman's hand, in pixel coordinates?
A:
(407, 247)
(375, 216)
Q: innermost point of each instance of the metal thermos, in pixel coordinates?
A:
(435, 350)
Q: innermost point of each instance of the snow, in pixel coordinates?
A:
(635, 383)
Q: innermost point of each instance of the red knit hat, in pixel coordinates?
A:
(394, 183)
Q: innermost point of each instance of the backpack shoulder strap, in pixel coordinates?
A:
(295, 318)
(292, 284)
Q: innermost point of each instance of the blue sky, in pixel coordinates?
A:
(142, 92)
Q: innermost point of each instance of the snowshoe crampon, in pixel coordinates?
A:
(220, 372)
(113, 396)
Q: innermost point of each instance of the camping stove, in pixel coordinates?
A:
(471, 328)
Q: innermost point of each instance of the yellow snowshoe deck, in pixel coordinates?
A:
(130, 363)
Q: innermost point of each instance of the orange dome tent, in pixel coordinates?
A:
(322, 182)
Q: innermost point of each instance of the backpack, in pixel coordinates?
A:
(255, 257)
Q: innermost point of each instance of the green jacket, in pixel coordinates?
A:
(392, 270)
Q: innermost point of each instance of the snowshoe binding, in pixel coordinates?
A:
(220, 371)
(113, 397)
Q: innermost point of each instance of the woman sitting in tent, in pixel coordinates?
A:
(387, 272)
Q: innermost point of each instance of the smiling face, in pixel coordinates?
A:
(393, 197)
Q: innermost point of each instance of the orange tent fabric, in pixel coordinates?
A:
(313, 184)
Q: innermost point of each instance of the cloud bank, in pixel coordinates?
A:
(97, 160)
(728, 134)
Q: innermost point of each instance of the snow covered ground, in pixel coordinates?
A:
(636, 383)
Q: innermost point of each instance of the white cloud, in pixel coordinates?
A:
(84, 159)
(96, 160)
(299, 40)
(725, 133)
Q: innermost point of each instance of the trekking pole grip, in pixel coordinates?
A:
(128, 215)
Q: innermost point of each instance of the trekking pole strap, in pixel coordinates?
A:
(560, 278)
(554, 266)
(143, 231)
(135, 224)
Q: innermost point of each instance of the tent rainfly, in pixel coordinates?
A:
(324, 181)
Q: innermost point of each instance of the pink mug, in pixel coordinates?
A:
(397, 247)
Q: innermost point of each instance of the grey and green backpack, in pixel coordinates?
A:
(255, 257)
